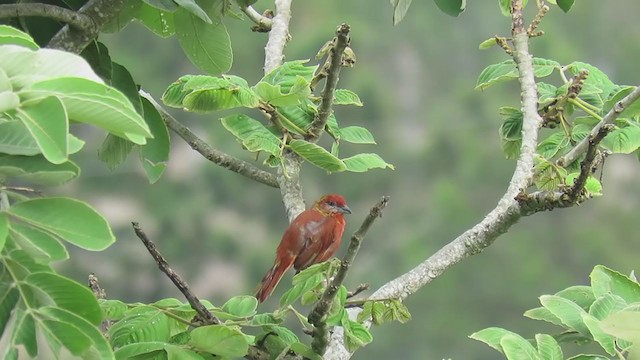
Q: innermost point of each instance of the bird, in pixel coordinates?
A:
(313, 237)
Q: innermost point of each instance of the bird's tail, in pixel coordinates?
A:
(271, 279)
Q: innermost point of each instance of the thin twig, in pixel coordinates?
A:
(263, 23)
(100, 294)
(587, 164)
(318, 315)
(611, 116)
(326, 103)
(204, 315)
(73, 39)
(53, 12)
(358, 290)
(214, 155)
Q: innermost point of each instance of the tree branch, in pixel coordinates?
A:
(498, 221)
(204, 315)
(74, 40)
(326, 104)
(318, 315)
(278, 36)
(215, 156)
(53, 12)
(611, 116)
(587, 164)
(263, 23)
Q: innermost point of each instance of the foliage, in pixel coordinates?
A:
(604, 313)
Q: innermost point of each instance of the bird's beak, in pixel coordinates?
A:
(344, 209)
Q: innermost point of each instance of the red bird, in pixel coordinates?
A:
(313, 237)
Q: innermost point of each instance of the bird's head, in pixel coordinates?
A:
(333, 204)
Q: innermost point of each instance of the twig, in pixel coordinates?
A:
(542, 11)
(263, 23)
(611, 116)
(326, 103)
(74, 39)
(204, 315)
(53, 12)
(587, 164)
(215, 156)
(317, 316)
(100, 294)
(358, 290)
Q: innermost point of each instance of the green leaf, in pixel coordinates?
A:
(505, 7)
(61, 333)
(606, 341)
(157, 19)
(546, 93)
(364, 162)
(516, 348)
(155, 154)
(10, 35)
(623, 140)
(114, 151)
(356, 335)
(565, 5)
(487, 44)
(192, 7)
(356, 135)
(264, 320)
(548, 347)
(596, 78)
(293, 294)
(178, 353)
(492, 336)
(253, 135)
(97, 54)
(166, 5)
(8, 101)
(37, 169)
(511, 128)
(152, 350)
(4, 232)
(451, 7)
(140, 324)
(113, 309)
(122, 80)
(400, 8)
(297, 118)
(241, 306)
(549, 147)
(567, 311)
(312, 271)
(541, 313)
(24, 331)
(346, 97)
(624, 325)
(67, 294)
(284, 334)
(9, 297)
(230, 97)
(220, 340)
(286, 74)
(176, 92)
(317, 155)
(69, 219)
(544, 67)
(496, 73)
(305, 351)
(511, 148)
(618, 94)
(206, 44)
(93, 103)
(605, 280)
(274, 95)
(47, 122)
(605, 305)
(39, 244)
(579, 294)
(396, 310)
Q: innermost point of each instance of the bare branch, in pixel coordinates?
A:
(318, 315)
(611, 116)
(204, 315)
(587, 164)
(58, 13)
(326, 104)
(75, 40)
(215, 156)
(278, 36)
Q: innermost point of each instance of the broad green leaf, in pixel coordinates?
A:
(312, 271)
(579, 294)
(397, 311)
(286, 335)
(93, 103)
(157, 19)
(364, 162)
(8, 101)
(97, 54)
(176, 92)
(166, 5)
(606, 341)
(400, 8)
(15, 139)
(565, 5)
(220, 340)
(206, 44)
(549, 147)
(297, 118)
(548, 176)
(155, 154)
(47, 122)
(623, 140)
(69, 219)
(544, 67)
(113, 309)
(37, 242)
(67, 294)
(548, 347)
(511, 128)
(356, 135)
(140, 324)
(179, 353)
(37, 169)
(541, 313)
(511, 148)
(495, 73)
(317, 155)
(492, 336)
(10, 35)
(356, 335)
(207, 100)
(605, 280)
(346, 97)
(567, 311)
(373, 310)
(274, 95)
(505, 7)
(286, 74)
(62, 334)
(487, 44)
(293, 294)
(546, 93)
(264, 320)
(99, 343)
(305, 351)
(580, 131)
(592, 185)
(624, 325)
(254, 135)
(122, 80)
(114, 151)
(516, 348)
(451, 7)
(192, 7)
(4, 232)
(617, 95)
(123, 18)
(152, 349)
(241, 306)
(24, 331)
(596, 77)
(9, 297)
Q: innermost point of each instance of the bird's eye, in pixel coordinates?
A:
(331, 203)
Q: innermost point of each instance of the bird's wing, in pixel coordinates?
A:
(318, 237)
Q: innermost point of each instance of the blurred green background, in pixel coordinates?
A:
(219, 230)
